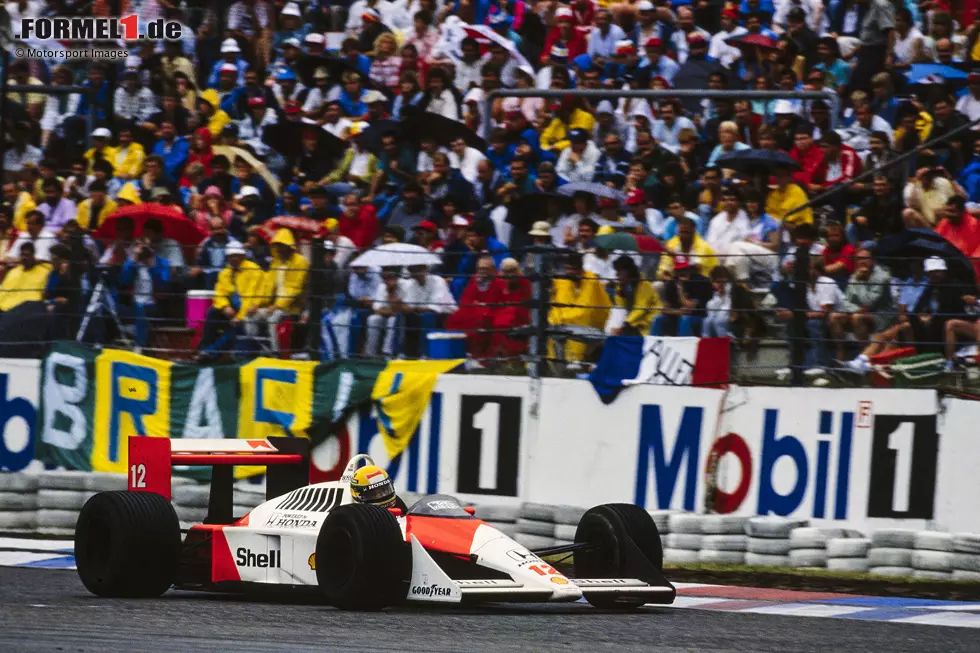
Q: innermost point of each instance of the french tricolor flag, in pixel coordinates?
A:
(655, 360)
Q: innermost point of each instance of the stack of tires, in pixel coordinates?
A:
(933, 555)
(891, 552)
(662, 519)
(18, 503)
(536, 525)
(966, 556)
(848, 554)
(566, 523)
(768, 542)
(61, 495)
(503, 518)
(247, 496)
(808, 546)
(723, 539)
(191, 503)
(684, 537)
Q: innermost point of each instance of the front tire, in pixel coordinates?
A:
(624, 543)
(362, 561)
(127, 544)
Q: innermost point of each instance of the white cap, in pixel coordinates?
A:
(229, 45)
(644, 5)
(935, 264)
(475, 94)
(291, 41)
(460, 221)
(373, 96)
(315, 37)
(228, 68)
(291, 9)
(247, 191)
(564, 12)
(605, 107)
(235, 247)
(102, 132)
(783, 106)
(134, 61)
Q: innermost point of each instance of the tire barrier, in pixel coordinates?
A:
(48, 503)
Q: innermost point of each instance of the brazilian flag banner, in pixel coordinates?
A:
(92, 401)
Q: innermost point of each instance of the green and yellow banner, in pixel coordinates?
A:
(92, 401)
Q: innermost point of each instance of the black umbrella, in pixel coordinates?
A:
(287, 139)
(335, 66)
(371, 137)
(897, 251)
(442, 130)
(528, 209)
(754, 159)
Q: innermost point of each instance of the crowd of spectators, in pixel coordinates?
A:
(330, 110)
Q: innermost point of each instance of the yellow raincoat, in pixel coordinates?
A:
(286, 279)
(583, 304)
(246, 285)
(219, 119)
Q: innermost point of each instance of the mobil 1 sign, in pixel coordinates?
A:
(866, 457)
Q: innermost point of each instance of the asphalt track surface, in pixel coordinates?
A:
(46, 610)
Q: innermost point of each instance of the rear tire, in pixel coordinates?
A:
(127, 544)
(362, 561)
(612, 529)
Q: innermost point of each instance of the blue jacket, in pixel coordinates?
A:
(159, 274)
(969, 179)
(501, 160)
(102, 100)
(174, 158)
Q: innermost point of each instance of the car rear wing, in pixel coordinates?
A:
(151, 462)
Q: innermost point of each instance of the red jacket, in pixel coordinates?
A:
(361, 229)
(576, 45)
(814, 166)
(850, 166)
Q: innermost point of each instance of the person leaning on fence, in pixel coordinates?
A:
(867, 305)
(578, 298)
(237, 296)
(685, 297)
(635, 301)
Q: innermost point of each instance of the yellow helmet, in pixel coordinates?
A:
(371, 484)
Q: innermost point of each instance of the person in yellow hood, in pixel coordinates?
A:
(211, 115)
(238, 295)
(284, 287)
(578, 299)
(128, 195)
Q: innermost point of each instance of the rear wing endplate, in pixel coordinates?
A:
(151, 462)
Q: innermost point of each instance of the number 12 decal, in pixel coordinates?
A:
(544, 570)
(137, 475)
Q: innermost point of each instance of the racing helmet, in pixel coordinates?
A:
(371, 484)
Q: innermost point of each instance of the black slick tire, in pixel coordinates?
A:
(362, 561)
(624, 543)
(127, 544)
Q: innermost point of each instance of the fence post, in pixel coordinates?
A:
(317, 290)
(797, 329)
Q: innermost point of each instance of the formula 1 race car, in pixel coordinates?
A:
(356, 556)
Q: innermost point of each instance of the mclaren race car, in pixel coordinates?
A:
(355, 556)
